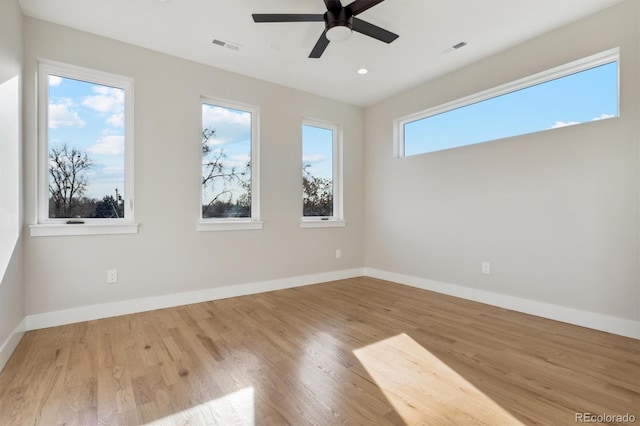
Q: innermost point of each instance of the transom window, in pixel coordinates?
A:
(582, 91)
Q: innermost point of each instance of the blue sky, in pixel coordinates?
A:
(90, 117)
(582, 97)
(317, 151)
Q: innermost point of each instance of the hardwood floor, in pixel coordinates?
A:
(358, 351)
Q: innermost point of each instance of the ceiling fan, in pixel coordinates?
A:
(339, 22)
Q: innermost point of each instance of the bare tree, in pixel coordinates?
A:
(317, 194)
(220, 178)
(67, 167)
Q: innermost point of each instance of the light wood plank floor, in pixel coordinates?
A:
(358, 351)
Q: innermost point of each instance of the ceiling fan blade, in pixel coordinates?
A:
(287, 17)
(359, 6)
(320, 46)
(373, 31)
(333, 4)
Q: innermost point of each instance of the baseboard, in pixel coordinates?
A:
(10, 344)
(582, 318)
(105, 310)
(615, 325)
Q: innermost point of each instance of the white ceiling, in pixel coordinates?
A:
(277, 52)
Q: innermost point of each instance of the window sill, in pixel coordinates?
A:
(319, 223)
(229, 225)
(53, 230)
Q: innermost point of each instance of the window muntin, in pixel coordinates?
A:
(86, 146)
(229, 185)
(579, 92)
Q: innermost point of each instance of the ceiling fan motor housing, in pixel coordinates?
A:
(338, 18)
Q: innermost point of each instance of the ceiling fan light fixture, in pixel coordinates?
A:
(339, 23)
(338, 33)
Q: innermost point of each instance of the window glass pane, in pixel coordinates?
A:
(226, 162)
(577, 98)
(317, 171)
(86, 141)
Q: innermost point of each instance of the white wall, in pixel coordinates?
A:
(12, 296)
(556, 213)
(168, 256)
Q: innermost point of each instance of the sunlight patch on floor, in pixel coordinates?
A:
(236, 408)
(424, 390)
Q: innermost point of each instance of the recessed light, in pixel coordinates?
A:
(363, 71)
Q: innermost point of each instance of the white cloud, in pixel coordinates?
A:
(116, 120)
(108, 145)
(316, 158)
(216, 115)
(54, 80)
(107, 99)
(603, 117)
(239, 161)
(61, 115)
(113, 170)
(230, 126)
(559, 124)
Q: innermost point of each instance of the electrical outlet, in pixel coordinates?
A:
(338, 254)
(486, 267)
(112, 276)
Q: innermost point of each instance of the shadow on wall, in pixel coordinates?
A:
(9, 170)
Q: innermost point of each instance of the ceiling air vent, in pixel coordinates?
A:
(227, 44)
(454, 47)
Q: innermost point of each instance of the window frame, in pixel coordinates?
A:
(231, 223)
(337, 220)
(46, 226)
(583, 64)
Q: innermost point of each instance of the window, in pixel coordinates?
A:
(582, 91)
(229, 185)
(86, 152)
(321, 173)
